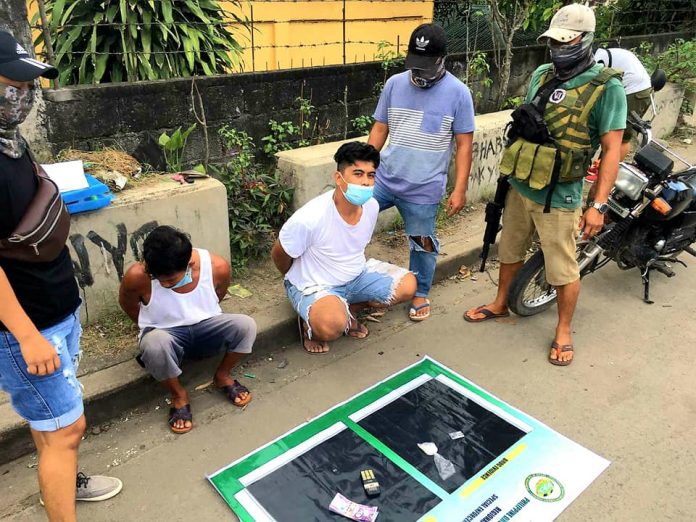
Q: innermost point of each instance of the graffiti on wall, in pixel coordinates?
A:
(486, 158)
(113, 249)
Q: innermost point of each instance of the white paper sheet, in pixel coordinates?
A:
(68, 175)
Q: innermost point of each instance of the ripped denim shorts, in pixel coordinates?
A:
(50, 402)
(376, 283)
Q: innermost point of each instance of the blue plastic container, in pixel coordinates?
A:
(94, 197)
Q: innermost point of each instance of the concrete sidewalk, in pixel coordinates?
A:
(125, 385)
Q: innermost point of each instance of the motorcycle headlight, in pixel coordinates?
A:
(631, 181)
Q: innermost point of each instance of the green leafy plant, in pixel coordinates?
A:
(287, 135)
(479, 70)
(678, 61)
(620, 18)
(258, 199)
(131, 40)
(513, 102)
(174, 146)
(389, 59)
(279, 137)
(362, 124)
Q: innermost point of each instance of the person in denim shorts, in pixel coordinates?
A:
(424, 112)
(39, 314)
(321, 252)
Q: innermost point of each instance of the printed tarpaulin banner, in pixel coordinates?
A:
(441, 449)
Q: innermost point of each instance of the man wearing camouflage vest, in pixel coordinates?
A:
(583, 105)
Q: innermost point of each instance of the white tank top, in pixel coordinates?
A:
(167, 308)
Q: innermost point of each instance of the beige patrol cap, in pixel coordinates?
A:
(570, 22)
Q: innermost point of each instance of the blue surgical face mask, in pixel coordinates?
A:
(357, 194)
(187, 279)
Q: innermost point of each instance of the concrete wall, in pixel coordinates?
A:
(130, 115)
(104, 243)
(668, 103)
(311, 168)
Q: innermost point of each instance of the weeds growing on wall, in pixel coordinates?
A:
(258, 199)
(389, 60)
(287, 135)
(362, 124)
(174, 146)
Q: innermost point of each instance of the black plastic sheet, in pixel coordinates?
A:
(430, 413)
(301, 490)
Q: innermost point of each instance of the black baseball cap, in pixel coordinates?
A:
(428, 43)
(18, 65)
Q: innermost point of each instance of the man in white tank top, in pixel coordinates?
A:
(321, 252)
(174, 296)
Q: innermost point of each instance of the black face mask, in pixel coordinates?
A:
(571, 60)
(426, 78)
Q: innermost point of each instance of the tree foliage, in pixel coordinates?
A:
(617, 18)
(129, 40)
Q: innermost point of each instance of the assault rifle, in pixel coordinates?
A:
(494, 213)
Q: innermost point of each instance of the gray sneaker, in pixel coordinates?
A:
(97, 487)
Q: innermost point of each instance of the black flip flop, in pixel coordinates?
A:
(487, 315)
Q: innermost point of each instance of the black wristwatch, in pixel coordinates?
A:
(600, 207)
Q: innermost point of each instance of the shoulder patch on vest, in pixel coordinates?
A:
(558, 96)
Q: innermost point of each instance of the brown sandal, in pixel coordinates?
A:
(563, 349)
(487, 315)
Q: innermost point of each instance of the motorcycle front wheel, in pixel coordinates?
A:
(530, 293)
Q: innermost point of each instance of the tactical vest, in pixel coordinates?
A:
(567, 117)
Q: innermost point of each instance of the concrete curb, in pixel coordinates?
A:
(125, 386)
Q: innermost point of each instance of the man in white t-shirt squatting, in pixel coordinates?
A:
(321, 252)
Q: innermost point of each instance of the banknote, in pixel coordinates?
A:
(352, 510)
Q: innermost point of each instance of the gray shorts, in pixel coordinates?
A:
(162, 351)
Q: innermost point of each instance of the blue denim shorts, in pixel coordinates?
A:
(376, 283)
(49, 402)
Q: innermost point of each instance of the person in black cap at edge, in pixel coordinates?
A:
(39, 316)
(423, 111)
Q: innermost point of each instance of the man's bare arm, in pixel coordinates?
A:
(281, 259)
(592, 222)
(222, 276)
(378, 135)
(462, 168)
(130, 293)
(39, 355)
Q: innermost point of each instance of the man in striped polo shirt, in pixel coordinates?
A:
(423, 111)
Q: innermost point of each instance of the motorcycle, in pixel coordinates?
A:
(650, 221)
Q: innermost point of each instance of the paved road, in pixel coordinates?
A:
(629, 396)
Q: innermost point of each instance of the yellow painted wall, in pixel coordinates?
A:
(313, 30)
(292, 34)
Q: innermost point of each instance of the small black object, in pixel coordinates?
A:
(654, 161)
(370, 483)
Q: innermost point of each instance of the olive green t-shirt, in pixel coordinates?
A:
(608, 114)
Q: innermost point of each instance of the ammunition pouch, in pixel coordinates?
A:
(528, 123)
